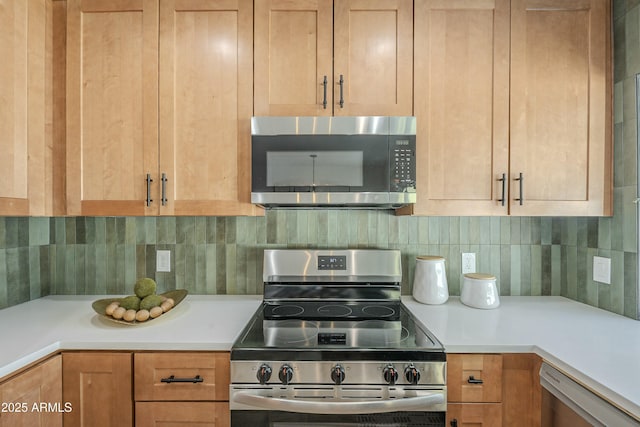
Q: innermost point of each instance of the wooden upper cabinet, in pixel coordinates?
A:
(561, 107)
(23, 140)
(293, 57)
(159, 103)
(300, 44)
(206, 82)
(505, 88)
(373, 51)
(461, 105)
(112, 98)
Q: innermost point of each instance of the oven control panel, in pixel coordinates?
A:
(332, 262)
(339, 372)
(332, 338)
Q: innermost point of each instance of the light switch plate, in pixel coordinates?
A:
(163, 261)
(602, 269)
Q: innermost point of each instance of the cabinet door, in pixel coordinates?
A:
(373, 48)
(39, 385)
(561, 107)
(474, 415)
(293, 58)
(522, 397)
(98, 386)
(200, 414)
(22, 116)
(112, 93)
(461, 102)
(474, 378)
(206, 82)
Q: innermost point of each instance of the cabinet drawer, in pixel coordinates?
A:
(156, 375)
(154, 414)
(474, 378)
(474, 414)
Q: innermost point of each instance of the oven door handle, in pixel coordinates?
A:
(355, 407)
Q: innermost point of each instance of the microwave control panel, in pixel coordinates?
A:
(403, 164)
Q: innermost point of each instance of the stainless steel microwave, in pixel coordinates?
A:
(333, 161)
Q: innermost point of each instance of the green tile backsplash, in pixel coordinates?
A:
(223, 255)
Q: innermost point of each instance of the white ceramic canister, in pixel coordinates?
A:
(479, 290)
(430, 280)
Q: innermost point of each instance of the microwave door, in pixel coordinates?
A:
(315, 170)
(339, 169)
(289, 169)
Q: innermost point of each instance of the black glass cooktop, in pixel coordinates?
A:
(328, 310)
(324, 331)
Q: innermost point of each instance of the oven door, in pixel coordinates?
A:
(292, 419)
(371, 406)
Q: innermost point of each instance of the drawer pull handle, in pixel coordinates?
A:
(473, 380)
(173, 379)
(454, 422)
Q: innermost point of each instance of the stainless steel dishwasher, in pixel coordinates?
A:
(567, 403)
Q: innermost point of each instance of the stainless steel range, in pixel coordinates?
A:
(332, 345)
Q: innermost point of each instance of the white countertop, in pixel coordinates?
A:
(597, 348)
(40, 327)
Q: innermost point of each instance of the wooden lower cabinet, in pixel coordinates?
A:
(474, 378)
(493, 390)
(174, 414)
(521, 392)
(474, 414)
(212, 368)
(203, 401)
(104, 389)
(33, 398)
(98, 386)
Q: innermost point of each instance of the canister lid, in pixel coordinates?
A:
(430, 258)
(480, 276)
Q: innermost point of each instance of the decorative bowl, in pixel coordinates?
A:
(100, 306)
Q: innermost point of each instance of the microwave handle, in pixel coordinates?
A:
(355, 407)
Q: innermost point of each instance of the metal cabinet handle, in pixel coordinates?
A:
(454, 422)
(173, 379)
(409, 403)
(149, 181)
(341, 83)
(473, 380)
(324, 100)
(163, 198)
(521, 179)
(502, 200)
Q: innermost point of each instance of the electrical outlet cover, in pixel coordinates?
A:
(163, 261)
(468, 262)
(602, 269)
